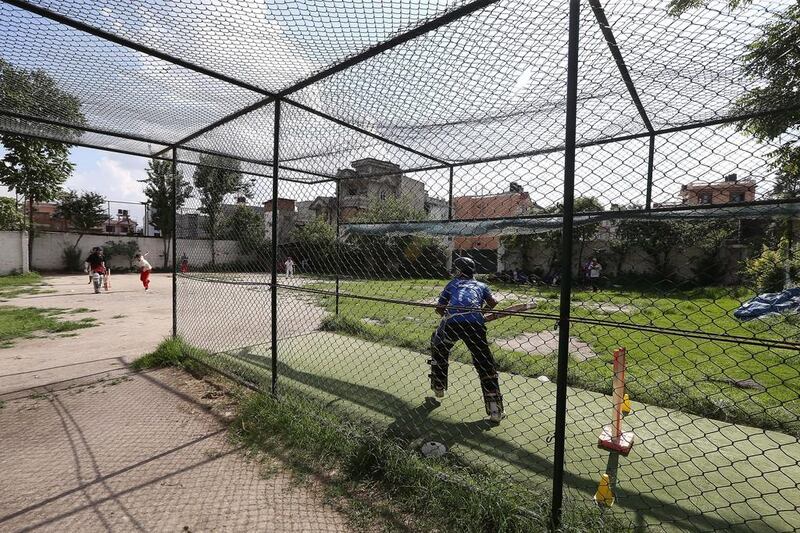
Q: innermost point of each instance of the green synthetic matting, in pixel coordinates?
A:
(684, 472)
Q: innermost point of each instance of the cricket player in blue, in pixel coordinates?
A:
(462, 305)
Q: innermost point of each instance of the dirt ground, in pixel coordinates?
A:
(130, 323)
(89, 446)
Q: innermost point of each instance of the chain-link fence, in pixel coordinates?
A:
(618, 176)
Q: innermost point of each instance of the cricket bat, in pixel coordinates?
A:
(512, 309)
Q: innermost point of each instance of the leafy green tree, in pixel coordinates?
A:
(551, 240)
(659, 239)
(315, 242)
(127, 249)
(391, 209)
(245, 226)
(393, 255)
(11, 218)
(84, 212)
(34, 167)
(216, 178)
(159, 187)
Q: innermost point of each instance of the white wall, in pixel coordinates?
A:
(48, 249)
(13, 252)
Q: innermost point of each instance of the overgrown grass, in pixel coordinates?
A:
(24, 322)
(442, 494)
(18, 284)
(670, 370)
(171, 352)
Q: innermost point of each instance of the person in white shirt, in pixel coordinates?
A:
(595, 269)
(289, 267)
(144, 270)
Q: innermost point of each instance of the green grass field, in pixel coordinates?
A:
(684, 473)
(28, 322)
(670, 370)
(17, 284)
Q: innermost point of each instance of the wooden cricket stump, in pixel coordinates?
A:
(613, 437)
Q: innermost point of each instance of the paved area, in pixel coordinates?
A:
(89, 446)
(147, 452)
(130, 323)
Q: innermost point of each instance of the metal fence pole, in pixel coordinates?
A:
(649, 198)
(174, 250)
(336, 245)
(274, 281)
(566, 265)
(450, 196)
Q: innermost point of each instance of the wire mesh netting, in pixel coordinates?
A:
(378, 212)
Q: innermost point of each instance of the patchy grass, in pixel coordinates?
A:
(23, 322)
(441, 494)
(171, 352)
(670, 370)
(373, 478)
(18, 284)
(117, 316)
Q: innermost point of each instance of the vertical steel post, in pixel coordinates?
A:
(649, 196)
(336, 261)
(450, 196)
(174, 250)
(274, 281)
(566, 265)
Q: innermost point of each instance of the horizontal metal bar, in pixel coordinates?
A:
(87, 129)
(97, 32)
(736, 339)
(413, 33)
(363, 131)
(84, 145)
(610, 214)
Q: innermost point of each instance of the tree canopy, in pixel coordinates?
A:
(83, 211)
(159, 187)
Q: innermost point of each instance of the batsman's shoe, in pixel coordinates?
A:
(495, 412)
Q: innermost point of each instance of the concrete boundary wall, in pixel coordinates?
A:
(13, 252)
(48, 249)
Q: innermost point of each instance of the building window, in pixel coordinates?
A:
(382, 195)
(737, 197)
(109, 229)
(705, 198)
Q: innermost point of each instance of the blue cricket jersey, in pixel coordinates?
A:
(462, 292)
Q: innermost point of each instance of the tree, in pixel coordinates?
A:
(84, 212)
(34, 167)
(159, 186)
(391, 209)
(315, 242)
(581, 234)
(215, 178)
(657, 238)
(246, 226)
(11, 218)
(394, 255)
(127, 249)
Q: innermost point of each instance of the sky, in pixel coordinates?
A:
(115, 176)
(498, 63)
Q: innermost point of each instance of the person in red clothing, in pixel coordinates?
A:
(144, 270)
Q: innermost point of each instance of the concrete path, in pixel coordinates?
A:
(130, 323)
(147, 452)
(89, 446)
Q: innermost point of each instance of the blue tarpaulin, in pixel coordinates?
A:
(768, 303)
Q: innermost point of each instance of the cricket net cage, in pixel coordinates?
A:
(335, 157)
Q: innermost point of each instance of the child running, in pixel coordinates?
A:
(144, 269)
(462, 305)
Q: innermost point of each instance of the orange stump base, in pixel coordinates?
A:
(622, 444)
